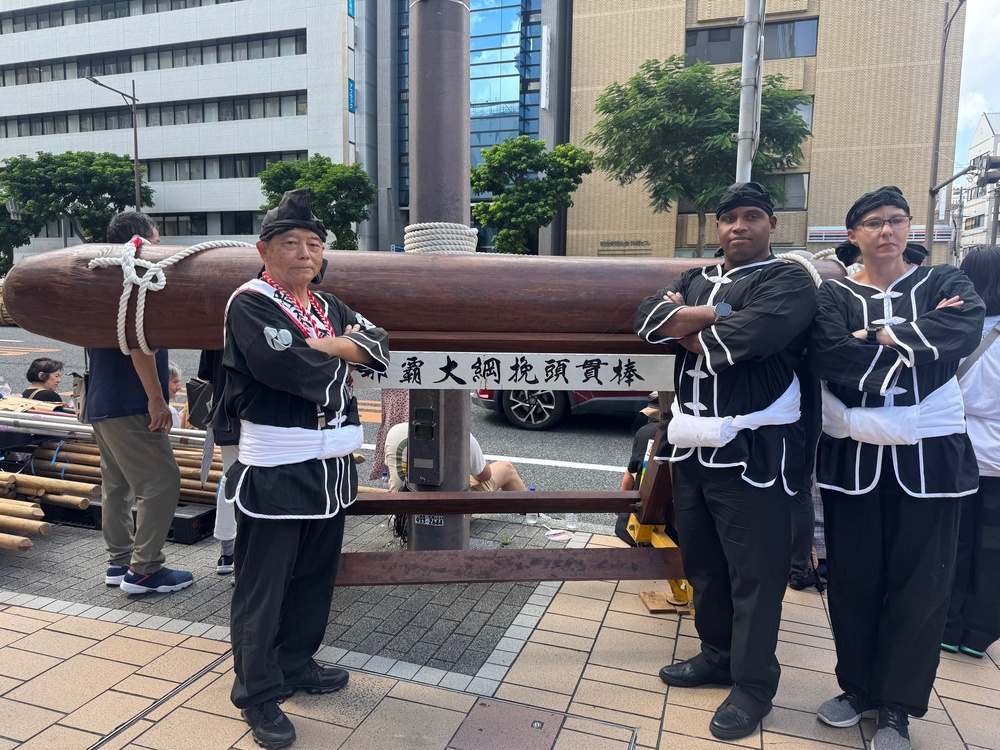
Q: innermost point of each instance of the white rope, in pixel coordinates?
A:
(152, 279)
(806, 263)
(831, 254)
(440, 238)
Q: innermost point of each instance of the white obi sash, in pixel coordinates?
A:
(689, 431)
(265, 445)
(941, 413)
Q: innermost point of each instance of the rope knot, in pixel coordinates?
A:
(153, 279)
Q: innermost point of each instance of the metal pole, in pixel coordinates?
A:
(936, 140)
(135, 150)
(957, 216)
(996, 213)
(749, 90)
(440, 191)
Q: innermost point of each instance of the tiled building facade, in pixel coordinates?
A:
(870, 67)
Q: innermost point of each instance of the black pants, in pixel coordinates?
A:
(803, 533)
(285, 574)
(890, 560)
(974, 614)
(735, 544)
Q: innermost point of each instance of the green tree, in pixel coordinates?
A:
(14, 234)
(528, 187)
(341, 194)
(85, 187)
(671, 126)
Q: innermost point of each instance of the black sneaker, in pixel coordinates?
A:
(163, 581)
(225, 565)
(315, 680)
(269, 725)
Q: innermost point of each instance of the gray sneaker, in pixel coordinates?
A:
(892, 731)
(845, 710)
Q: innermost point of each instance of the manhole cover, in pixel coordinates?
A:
(496, 725)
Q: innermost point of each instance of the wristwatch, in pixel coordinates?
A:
(872, 331)
(723, 309)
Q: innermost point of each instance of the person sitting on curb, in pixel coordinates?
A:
(485, 476)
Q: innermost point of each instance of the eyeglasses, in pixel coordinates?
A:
(896, 222)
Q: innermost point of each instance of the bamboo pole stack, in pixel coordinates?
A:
(73, 469)
(20, 515)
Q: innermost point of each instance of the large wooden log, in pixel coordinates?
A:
(15, 543)
(24, 526)
(481, 302)
(66, 501)
(54, 485)
(15, 509)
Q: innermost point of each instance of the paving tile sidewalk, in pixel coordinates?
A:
(580, 659)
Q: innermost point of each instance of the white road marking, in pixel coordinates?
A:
(542, 462)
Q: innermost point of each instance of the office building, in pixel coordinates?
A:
(224, 88)
(978, 202)
(517, 68)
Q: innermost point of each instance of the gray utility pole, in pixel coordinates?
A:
(751, 80)
(131, 101)
(996, 214)
(439, 191)
(936, 140)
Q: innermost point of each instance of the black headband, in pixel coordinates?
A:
(745, 194)
(889, 195)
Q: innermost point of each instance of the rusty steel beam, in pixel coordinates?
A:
(445, 503)
(505, 565)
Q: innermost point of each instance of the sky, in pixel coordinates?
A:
(980, 67)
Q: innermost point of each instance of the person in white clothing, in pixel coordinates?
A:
(485, 476)
(974, 613)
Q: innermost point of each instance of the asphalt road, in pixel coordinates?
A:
(595, 447)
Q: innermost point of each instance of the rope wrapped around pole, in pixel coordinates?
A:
(152, 279)
(440, 238)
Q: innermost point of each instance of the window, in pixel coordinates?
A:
(796, 193)
(806, 113)
(975, 222)
(163, 115)
(725, 45)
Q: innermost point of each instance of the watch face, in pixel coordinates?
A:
(723, 309)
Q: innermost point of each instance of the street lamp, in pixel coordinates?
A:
(131, 101)
(936, 141)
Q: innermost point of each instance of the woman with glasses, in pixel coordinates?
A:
(892, 462)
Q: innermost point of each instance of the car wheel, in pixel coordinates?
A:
(534, 410)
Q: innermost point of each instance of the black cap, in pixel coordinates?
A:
(745, 194)
(293, 212)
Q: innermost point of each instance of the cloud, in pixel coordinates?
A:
(980, 62)
(971, 106)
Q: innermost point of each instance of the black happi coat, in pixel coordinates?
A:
(930, 345)
(267, 384)
(750, 361)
